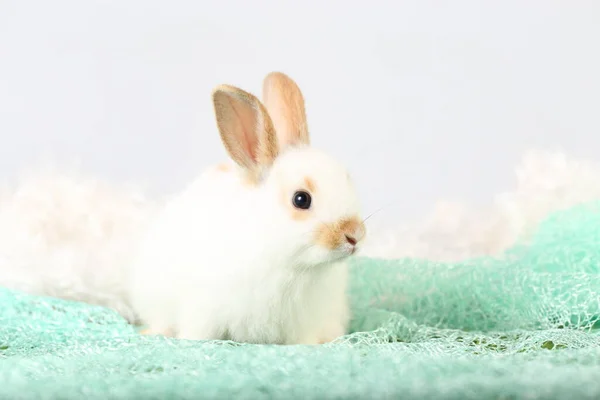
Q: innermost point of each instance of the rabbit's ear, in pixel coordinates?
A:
(285, 103)
(245, 127)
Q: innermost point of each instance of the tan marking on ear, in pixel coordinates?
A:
(245, 127)
(309, 184)
(268, 149)
(333, 236)
(284, 101)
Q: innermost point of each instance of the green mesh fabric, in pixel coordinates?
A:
(525, 325)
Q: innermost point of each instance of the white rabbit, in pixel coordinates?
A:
(256, 251)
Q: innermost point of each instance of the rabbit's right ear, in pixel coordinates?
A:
(245, 127)
(285, 103)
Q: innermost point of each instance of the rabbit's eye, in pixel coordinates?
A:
(302, 200)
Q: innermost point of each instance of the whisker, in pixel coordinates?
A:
(378, 210)
(373, 213)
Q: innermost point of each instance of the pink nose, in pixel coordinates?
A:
(351, 240)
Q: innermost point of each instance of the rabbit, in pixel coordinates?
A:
(255, 250)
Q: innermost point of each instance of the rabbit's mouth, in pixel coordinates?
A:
(349, 247)
(316, 254)
(345, 251)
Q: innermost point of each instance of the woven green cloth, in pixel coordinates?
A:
(522, 326)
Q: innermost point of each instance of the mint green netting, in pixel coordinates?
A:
(522, 326)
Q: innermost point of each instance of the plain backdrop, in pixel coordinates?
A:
(421, 99)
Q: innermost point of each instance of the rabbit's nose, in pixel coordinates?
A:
(351, 240)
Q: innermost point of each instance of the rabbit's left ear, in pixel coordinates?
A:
(285, 104)
(245, 127)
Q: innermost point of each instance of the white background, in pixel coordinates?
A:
(421, 99)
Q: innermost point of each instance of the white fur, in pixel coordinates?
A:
(225, 260)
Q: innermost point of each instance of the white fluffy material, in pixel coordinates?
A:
(546, 182)
(71, 236)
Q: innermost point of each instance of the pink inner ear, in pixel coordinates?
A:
(250, 144)
(285, 104)
(248, 139)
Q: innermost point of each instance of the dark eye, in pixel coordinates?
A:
(302, 200)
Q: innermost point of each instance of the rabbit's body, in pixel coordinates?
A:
(234, 257)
